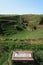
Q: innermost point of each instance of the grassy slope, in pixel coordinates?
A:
(35, 34)
(33, 21)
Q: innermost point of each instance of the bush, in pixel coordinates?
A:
(19, 28)
(34, 27)
(41, 21)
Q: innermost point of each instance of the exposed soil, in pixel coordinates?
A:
(40, 40)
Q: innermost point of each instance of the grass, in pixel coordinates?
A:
(6, 56)
(35, 34)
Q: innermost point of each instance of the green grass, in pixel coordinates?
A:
(6, 56)
(35, 34)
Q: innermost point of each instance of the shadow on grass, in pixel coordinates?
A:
(26, 63)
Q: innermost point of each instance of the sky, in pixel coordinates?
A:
(21, 6)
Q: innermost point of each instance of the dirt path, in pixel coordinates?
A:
(28, 41)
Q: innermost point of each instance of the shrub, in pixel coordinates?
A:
(19, 28)
(41, 21)
(34, 27)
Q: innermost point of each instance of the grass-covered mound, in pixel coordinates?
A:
(21, 27)
(10, 24)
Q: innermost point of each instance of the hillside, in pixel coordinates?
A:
(21, 32)
(13, 26)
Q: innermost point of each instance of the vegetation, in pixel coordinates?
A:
(6, 50)
(12, 24)
(14, 28)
